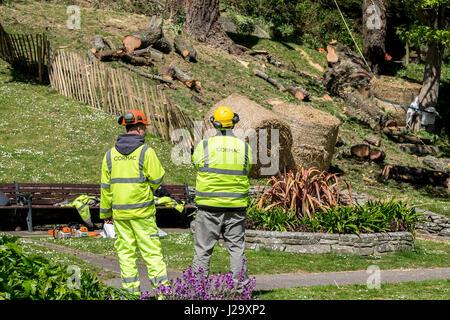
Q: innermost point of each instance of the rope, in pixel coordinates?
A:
(351, 35)
(400, 105)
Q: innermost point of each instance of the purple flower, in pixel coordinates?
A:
(195, 286)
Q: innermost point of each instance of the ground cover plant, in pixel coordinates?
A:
(36, 278)
(374, 216)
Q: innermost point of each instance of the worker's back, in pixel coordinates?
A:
(223, 163)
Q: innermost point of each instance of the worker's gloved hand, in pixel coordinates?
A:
(109, 221)
(161, 191)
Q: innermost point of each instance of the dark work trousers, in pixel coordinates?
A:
(207, 228)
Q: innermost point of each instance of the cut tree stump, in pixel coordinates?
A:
(185, 49)
(377, 155)
(416, 176)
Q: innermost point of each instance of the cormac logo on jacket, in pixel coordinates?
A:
(119, 158)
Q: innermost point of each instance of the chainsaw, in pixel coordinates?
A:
(60, 232)
(77, 230)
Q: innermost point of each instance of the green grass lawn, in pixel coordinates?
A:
(31, 249)
(420, 290)
(178, 253)
(47, 137)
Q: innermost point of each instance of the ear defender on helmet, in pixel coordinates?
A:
(235, 118)
(133, 117)
(216, 124)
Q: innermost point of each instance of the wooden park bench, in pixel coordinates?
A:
(44, 196)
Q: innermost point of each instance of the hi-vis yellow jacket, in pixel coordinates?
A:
(128, 183)
(223, 164)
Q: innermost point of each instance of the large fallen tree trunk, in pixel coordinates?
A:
(398, 136)
(416, 176)
(349, 78)
(364, 110)
(150, 53)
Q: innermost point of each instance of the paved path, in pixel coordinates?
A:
(273, 281)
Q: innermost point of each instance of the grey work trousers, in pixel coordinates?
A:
(207, 228)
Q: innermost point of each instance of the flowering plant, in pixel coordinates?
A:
(195, 286)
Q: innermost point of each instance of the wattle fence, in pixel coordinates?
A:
(26, 52)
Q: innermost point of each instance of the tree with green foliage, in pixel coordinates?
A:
(431, 28)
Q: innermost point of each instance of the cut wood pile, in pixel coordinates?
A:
(255, 127)
(145, 47)
(349, 78)
(314, 134)
(365, 151)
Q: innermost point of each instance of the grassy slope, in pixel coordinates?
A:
(46, 137)
(73, 137)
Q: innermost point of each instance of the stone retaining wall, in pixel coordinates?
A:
(307, 242)
(433, 223)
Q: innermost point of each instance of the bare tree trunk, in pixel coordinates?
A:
(201, 22)
(374, 33)
(428, 96)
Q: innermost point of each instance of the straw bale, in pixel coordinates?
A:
(396, 90)
(314, 134)
(253, 119)
(397, 113)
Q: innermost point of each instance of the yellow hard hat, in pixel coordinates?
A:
(224, 118)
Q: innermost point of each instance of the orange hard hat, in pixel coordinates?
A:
(133, 117)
